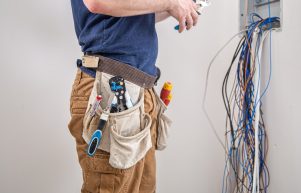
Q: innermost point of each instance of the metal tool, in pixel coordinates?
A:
(122, 100)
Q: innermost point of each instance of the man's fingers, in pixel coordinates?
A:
(190, 17)
(189, 22)
(182, 24)
(195, 18)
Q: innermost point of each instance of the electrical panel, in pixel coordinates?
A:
(262, 8)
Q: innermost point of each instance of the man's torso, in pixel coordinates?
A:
(131, 40)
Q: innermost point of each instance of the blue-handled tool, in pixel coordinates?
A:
(96, 137)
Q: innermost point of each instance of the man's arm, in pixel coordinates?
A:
(182, 10)
(122, 8)
(160, 16)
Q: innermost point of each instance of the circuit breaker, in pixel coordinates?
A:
(262, 8)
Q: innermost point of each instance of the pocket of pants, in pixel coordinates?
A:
(126, 135)
(98, 182)
(80, 92)
(100, 176)
(164, 124)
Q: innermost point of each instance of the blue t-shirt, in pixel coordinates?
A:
(131, 40)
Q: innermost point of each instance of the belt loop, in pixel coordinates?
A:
(79, 63)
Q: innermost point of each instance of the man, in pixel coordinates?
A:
(122, 33)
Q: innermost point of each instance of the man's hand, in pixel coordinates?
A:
(185, 11)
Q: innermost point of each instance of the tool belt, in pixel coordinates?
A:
(90, 63)
(126, 134)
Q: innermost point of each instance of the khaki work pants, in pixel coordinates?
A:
(98, 175)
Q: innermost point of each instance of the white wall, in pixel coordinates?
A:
(282, 104)
(38, 50)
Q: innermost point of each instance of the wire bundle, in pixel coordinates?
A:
(246, 141)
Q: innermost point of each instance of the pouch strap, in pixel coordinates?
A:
(116, 68)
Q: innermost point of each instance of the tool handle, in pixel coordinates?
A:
(96, 137)
(94, 142)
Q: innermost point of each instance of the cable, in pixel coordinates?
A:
(246, 96)
(206, 85)
(246, 142)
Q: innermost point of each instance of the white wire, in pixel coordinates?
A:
(257, 78)
(206, 87)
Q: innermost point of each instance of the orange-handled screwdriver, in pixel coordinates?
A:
(165, 94)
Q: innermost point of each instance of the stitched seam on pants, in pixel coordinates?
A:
(126, 186)
(114, 183)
